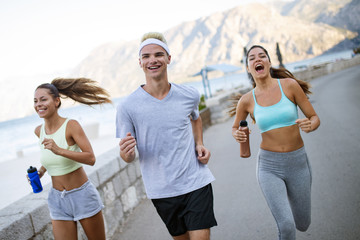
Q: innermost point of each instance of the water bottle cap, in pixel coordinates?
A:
(243, 123)
(32, 169)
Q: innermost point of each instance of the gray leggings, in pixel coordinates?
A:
(285, 180)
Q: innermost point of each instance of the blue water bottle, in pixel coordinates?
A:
(34, 179)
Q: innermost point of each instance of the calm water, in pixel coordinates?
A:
(18, 134)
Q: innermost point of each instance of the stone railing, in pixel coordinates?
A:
(326, 68)
(219, 105)
(205, 117)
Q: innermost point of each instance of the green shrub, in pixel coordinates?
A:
(356, 50)
(202, 104)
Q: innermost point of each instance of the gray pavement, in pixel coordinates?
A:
(240, 208)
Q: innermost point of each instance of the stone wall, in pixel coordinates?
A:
(219, 105)
(205, 117)
(327, 68)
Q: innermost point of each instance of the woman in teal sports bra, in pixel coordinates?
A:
(64, 148)
(283, 169)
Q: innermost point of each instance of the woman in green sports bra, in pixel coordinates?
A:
(283, 169)
(64, 148)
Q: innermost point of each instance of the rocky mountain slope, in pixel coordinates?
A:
(343, 14)
(220, 38)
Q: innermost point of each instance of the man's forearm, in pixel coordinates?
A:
(197, 131)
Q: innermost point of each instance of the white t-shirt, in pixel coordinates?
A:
(165, 140)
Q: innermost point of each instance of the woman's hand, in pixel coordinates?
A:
(41, 173)
(51, 145)
(239, 135)
(304, 124)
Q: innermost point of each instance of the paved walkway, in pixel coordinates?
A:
(240, 208)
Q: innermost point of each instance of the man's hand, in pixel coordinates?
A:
(203, 154)
(127, 148)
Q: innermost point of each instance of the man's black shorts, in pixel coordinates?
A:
(188, 212)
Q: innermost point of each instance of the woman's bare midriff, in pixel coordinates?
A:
(70, 181)
(285, 139)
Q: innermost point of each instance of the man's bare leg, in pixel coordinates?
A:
(182, 237)
(202, 234)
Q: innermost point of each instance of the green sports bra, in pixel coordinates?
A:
(57, 165)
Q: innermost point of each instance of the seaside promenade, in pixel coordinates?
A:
(240, 208)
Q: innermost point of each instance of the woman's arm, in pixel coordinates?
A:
(74, 134)
(312, 120)
(242, 111)
(41, 171)
(37, 131)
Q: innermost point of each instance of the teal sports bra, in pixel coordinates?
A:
(282, 114)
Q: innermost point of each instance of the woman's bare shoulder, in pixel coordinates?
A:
(289, 82)
(74, 123)
(247, 97)
(37, 130)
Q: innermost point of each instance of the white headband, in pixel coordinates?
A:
(154, 41)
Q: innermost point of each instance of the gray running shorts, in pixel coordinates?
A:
(75, 204)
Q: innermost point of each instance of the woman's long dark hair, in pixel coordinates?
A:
(274, 73)
(82, 90)
(278, 72)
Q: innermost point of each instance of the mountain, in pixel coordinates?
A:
(220, 38)
(344, 14)
(347, 17)
(310, 10)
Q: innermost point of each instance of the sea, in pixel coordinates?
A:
(17, 136)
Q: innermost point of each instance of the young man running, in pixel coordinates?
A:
(162, 120)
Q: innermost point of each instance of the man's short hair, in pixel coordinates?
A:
(155, 35)
(154, 38)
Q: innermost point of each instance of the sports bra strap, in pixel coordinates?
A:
(253, 93)
(282, 92)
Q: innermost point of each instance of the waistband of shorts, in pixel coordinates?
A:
(292, 154)
(64, 192)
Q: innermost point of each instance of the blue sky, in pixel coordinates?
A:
(43, 36)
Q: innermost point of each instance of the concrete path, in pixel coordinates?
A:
(241, 211)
